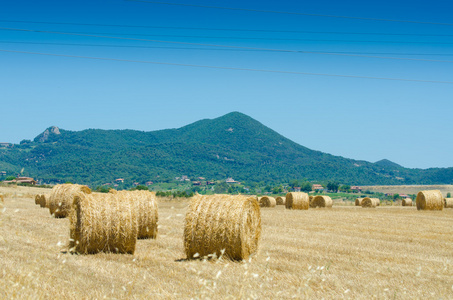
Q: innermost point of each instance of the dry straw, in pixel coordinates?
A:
(222, 225)
(322, 201)
(267, 201)
(448, 202)
(358, 201)
(297, 200)
(406, 202)
(280, 200)
(430, 200)
(102, 223)
(2, 198)
(370, 202)
(61, 198)
(146, 210)
(37, 199)
(310, 199)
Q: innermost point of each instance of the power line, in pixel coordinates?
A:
(290, 13)
(229, 68)
(149, 40)
(260, 38)
(226, 29)
(362, 55)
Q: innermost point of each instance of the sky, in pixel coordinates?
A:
(366, 80)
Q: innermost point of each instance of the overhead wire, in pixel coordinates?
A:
(291, 13)
(229, 68)
(224, 29)
(189, 48)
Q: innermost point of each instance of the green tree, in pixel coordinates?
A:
(221, 188)
(333, 186)
(448, 195)
(345, 188)
(142, 188)
(396, 196)
(10, 178)
(306, 186)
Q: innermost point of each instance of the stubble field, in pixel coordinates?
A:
(344, 252)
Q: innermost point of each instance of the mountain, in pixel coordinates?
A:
(234, 145)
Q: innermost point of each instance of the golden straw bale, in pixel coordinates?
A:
(266, 201)
(37, 199)
(370, 202)
(222, 224)
(297, 200)
(406, 202)
(310, 199)
(430, 200)
(448, 202)
(281, 200)
(358, 201)
(61, 198)
(102, 223)
(322, 201)
(146, 210)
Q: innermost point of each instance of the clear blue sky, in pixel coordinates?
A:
(369, 119)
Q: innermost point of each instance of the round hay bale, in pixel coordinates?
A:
(322, 201)
(61, 198)
(102, 223)
(406, 202)
(222, 224)
(281, 200)
(310, 199)
(37, 199)
(267, 201)
(146, 210)
(448, 203)
(297, 200)
(430, 200)
(370, 202)
(358, 201)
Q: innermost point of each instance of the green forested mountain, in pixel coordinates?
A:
(233, 145)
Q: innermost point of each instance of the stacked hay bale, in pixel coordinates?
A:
(61, 198)
(222, 224)
(430, 200)
(406, 202)
(146, 209)
(358, 201)
(102, 223)
(297, 200)
(322, 201)
(370, 202)
(280, 200)
(266, 201)
(448, 203)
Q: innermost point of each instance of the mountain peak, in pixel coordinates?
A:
(43, 137)
(387, 163)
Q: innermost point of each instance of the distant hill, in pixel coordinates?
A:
(234, 145)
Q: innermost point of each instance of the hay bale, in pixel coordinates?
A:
(61, 198)
(310, 199)
(322, 201)
(146, 211)
(430, 200)
(267, 201)
(406, 202)
(102, 223)
(358, 201)
(297, 200)
(44, 201)
(37, 199)
(448, 203)
(370, 202)
(222, 223)
(280, 200)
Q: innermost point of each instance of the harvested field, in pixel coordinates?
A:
(342, 253)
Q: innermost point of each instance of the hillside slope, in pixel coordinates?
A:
(234, 145)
